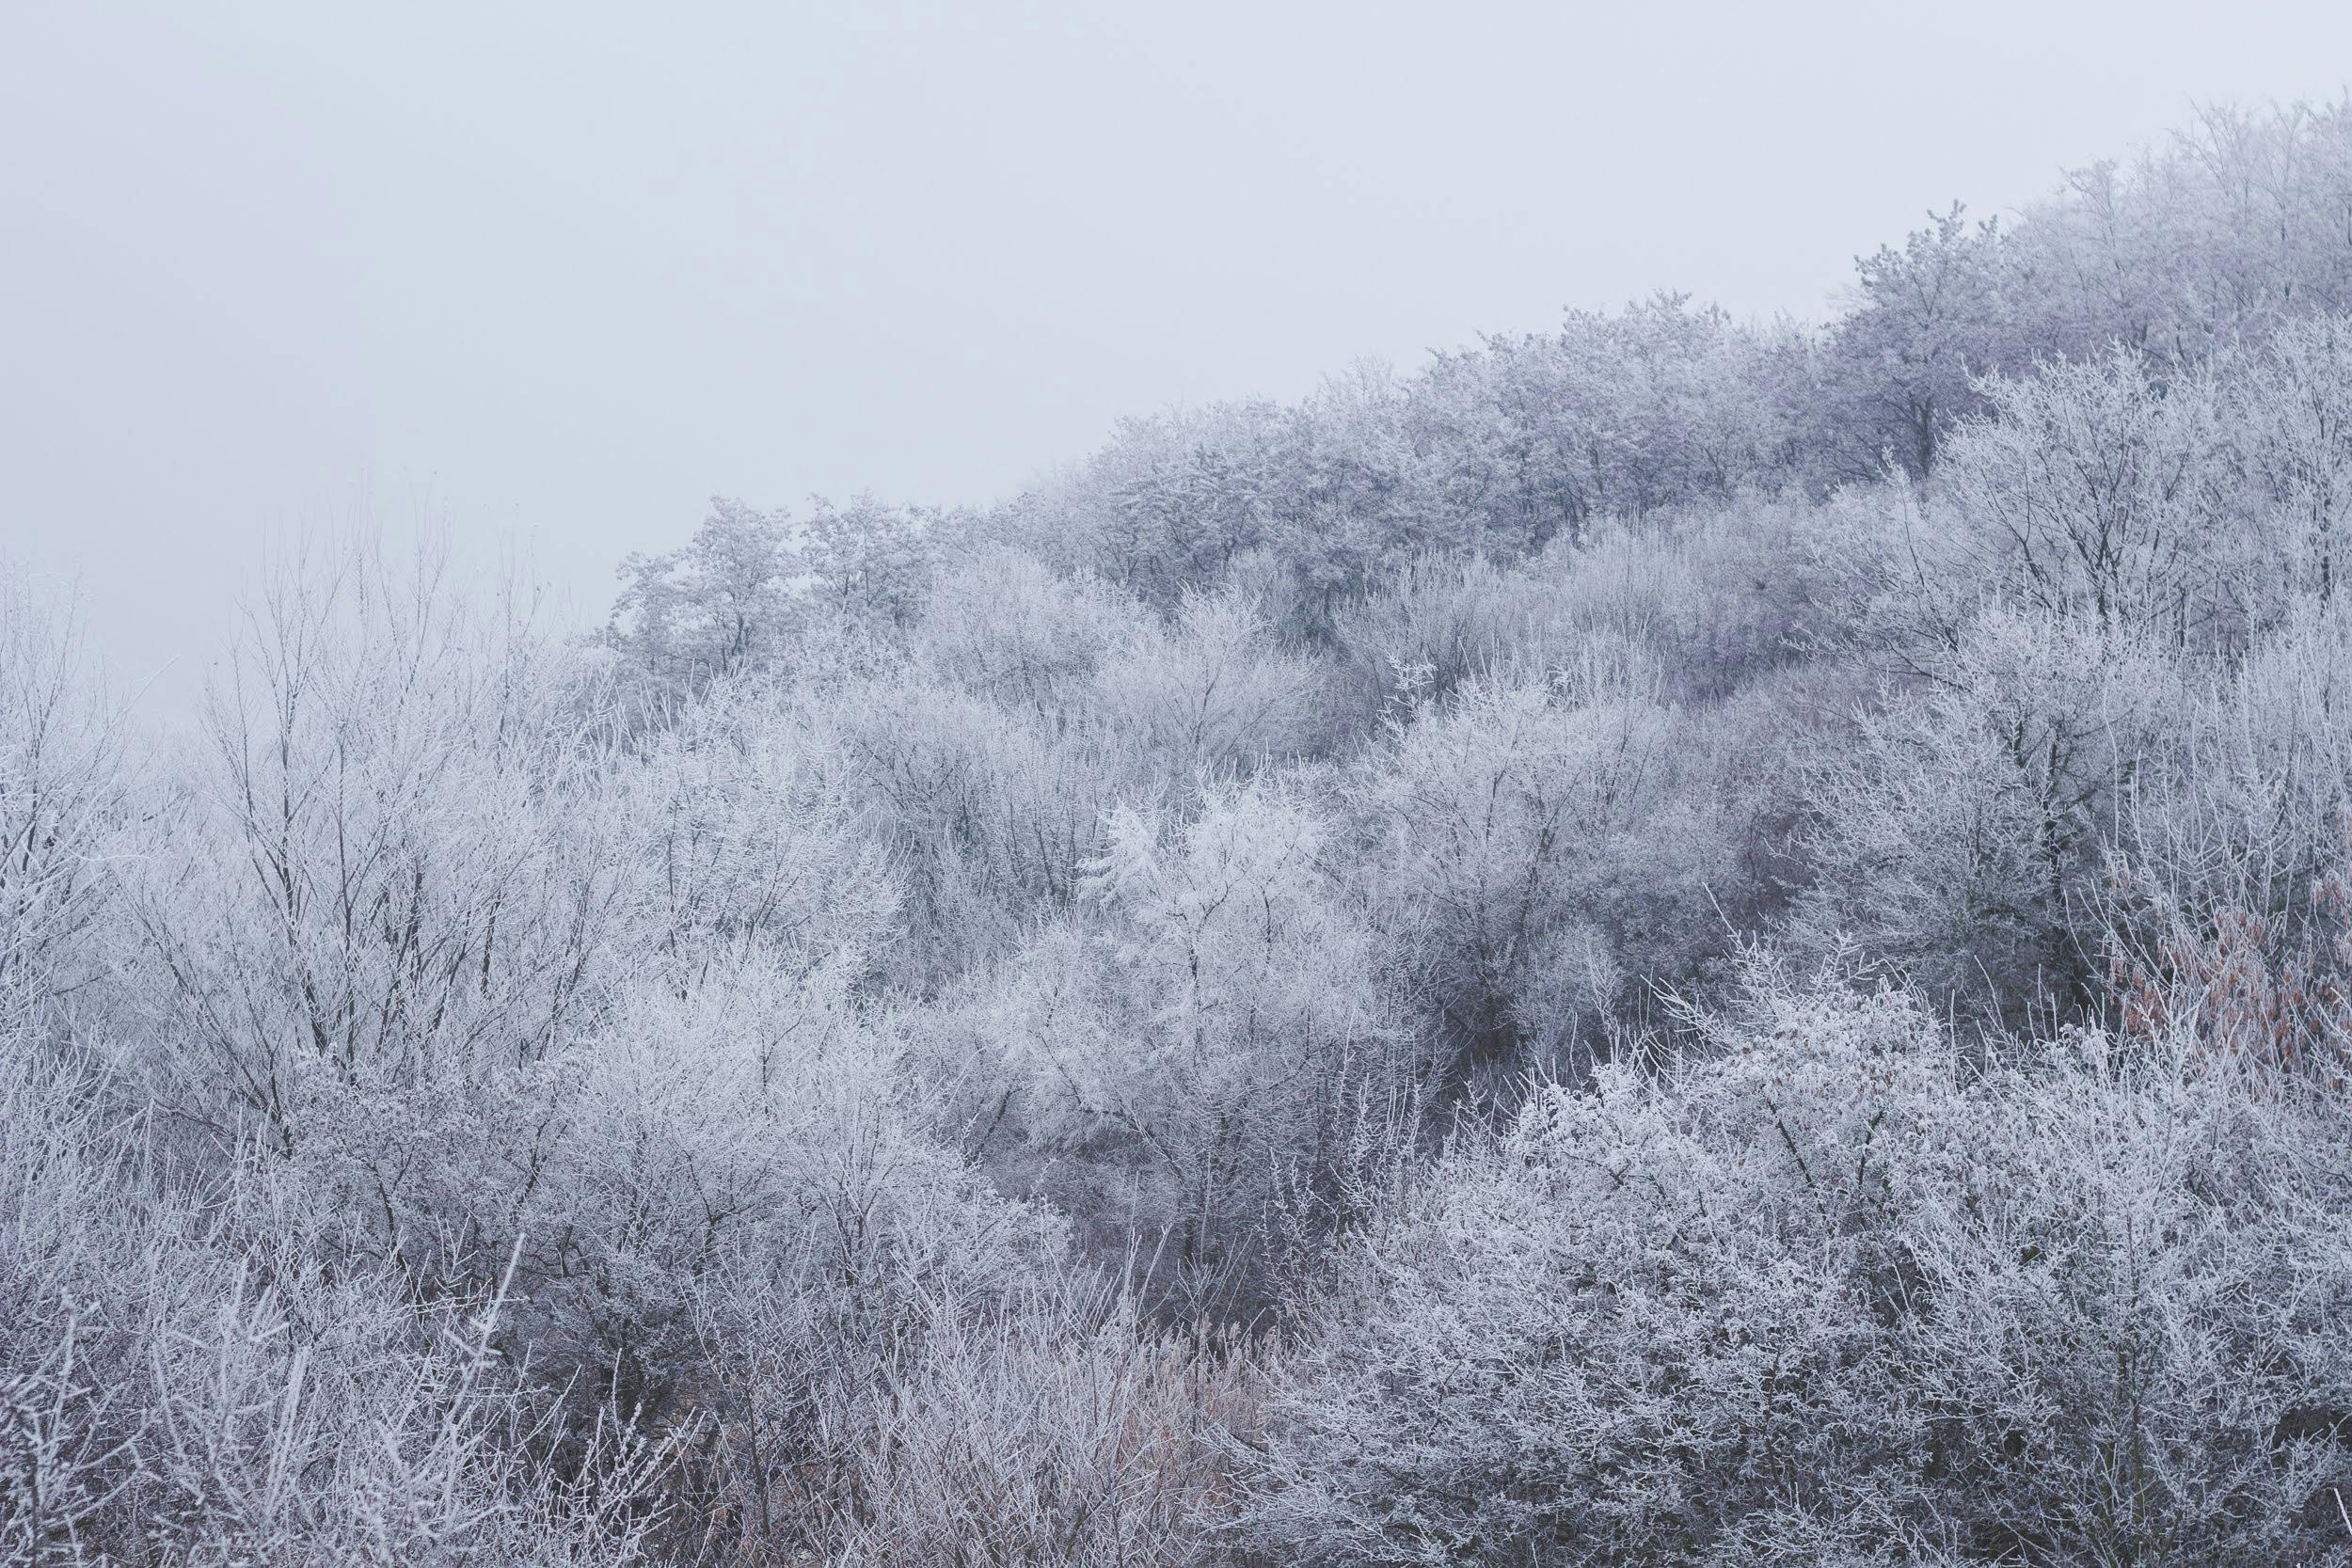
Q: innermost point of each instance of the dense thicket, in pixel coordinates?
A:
(1672, 942)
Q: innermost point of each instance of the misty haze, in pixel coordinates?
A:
(1032, 786)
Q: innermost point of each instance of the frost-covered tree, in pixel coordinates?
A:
(1213, 696)
(66, 797)
(2211, 239)
(1924, 323)
(713, 606)
(2093, 491)
(1007, 628)
(400, 870)
(2290, 409)
(1963, 832)
(1536, 853)
(1200, 1058)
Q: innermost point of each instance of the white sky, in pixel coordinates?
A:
(547, 275)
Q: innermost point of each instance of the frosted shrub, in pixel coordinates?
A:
(1642, 1327)
(178, 1387)
(1054, 1430)
(2240, 816)
(1718, 595)
(1831, 1298)
(756, 1128)
(1439, 621)
(2132, 1293)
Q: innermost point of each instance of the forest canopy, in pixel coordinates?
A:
(1673, 941)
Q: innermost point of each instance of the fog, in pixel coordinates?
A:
(1132, 901)
(544, 278)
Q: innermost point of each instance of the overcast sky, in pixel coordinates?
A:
(548, 275)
